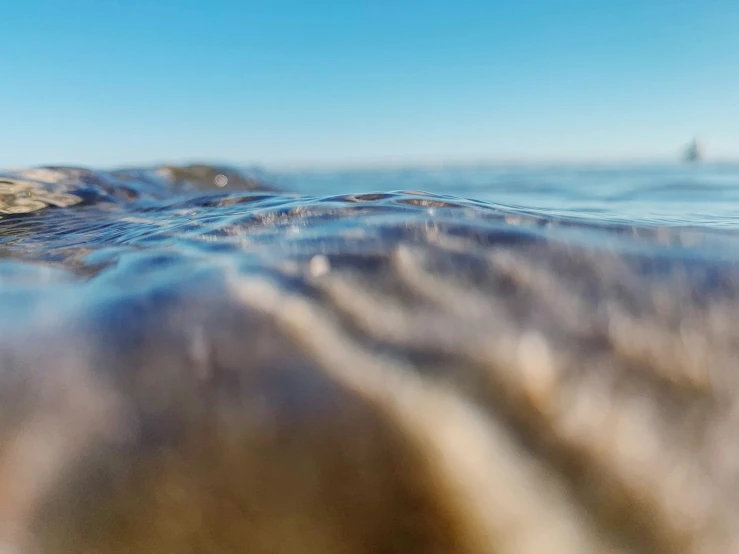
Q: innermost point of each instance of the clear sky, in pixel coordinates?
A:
(308, 82)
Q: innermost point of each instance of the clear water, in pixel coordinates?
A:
(704, 195)
(95, 222)
(212, 308)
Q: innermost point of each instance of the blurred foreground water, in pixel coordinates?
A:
(195, 359)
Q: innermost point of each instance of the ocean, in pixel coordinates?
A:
(702, 195)
(458, 360)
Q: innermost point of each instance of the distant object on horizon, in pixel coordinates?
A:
(693, 153)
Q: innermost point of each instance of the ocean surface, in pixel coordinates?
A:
(703, 195)
(85, 219)
(463, 360)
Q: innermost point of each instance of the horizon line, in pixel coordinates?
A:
(385, 164)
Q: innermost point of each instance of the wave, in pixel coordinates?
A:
(192, 359)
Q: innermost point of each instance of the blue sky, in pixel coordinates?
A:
(311, 83)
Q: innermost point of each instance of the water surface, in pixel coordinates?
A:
(271, 361)
(676, 195)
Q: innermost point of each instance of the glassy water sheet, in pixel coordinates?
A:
(190, 357)
(680, 195)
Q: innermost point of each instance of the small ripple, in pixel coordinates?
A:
(77, 213)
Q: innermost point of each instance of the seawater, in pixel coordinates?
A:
(86, 221)
(704, 195)
(458, 360)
